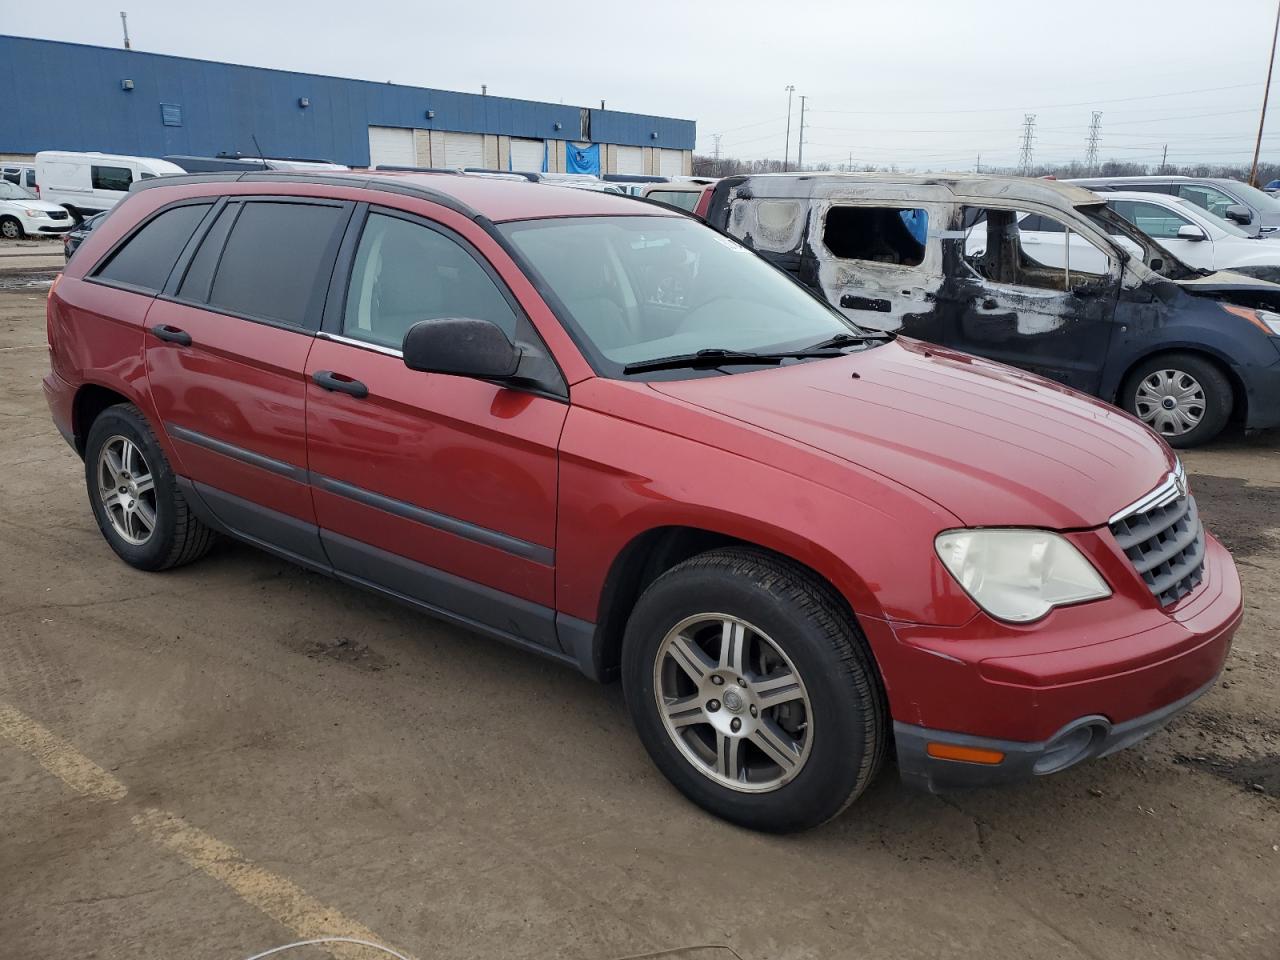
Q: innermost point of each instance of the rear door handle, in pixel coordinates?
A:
(172, 334)
(337, 382)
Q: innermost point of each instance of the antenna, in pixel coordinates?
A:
(258, 148)
(124, 23)
(1091, 153)
(1028, 135)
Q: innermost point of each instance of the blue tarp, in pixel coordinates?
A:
(582, 159)
(917, 222)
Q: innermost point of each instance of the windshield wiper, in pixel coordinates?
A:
(718, 357)
(844, 339)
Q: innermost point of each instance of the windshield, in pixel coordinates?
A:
(1254, 197)
(11, 191)
(639, 288)
(1226, 226)
(1128, 236)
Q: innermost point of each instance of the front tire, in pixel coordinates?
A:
(753, 690)
(135, 497)
(1185, 398)
(11, 229)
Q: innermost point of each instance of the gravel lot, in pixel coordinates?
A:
(210, 762)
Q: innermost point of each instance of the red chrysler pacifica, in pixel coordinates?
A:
(602, 431)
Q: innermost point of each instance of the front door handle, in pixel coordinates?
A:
(989, 304)
(337, 382)
(172, 334)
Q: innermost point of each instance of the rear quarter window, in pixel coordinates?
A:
(145, 259)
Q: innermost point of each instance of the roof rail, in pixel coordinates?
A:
(532, 177)
(394, 168)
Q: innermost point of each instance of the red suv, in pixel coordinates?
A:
(604, 432)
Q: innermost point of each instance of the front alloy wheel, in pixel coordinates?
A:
(733, 703)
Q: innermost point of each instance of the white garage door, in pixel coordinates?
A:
(391, 146)
(671, 163)
(526, 155)
(630, 160)
(462, 150)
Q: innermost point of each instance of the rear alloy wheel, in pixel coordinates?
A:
(753, 690)
(1185, 399)
(11, 229)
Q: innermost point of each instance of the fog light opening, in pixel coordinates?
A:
(1070, 747)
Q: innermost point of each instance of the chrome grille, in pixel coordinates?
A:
(1165, 541)
(58, 214)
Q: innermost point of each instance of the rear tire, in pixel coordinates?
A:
(135, 497)
(11, 229)
(782, 738)
(1185, 398)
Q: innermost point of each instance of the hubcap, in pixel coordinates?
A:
(733, 703)
(9, 229)
(127, 490)
(1171, 402)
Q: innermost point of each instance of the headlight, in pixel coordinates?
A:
(1267, 321)
(34, 213)
(1019, 575)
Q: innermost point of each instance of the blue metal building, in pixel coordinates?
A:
(67, 96)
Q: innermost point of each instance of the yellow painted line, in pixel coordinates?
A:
(59, 757)
(280, 899)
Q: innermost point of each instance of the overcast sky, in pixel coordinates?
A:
(916, 82)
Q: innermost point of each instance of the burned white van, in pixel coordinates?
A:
(953, 260)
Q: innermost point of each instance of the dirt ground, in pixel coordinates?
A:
(213, 761)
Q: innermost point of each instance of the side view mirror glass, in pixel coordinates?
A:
(461, 346)
(1239, 213)
(1190, 232)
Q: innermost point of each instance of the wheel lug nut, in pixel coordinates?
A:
(717, 679)
(736, 725)
(754, 711)
(713, 705)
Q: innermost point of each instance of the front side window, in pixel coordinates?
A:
(145, 259)
(877, 234)
(111, 178)
(637, 288)
(1207, 198)
(1157, 222)
(1000, 248)
(405, 272)
(276, 260)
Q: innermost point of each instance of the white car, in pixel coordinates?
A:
(23, 214)
(88, 183)
(1195, 236)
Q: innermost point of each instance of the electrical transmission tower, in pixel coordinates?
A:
(715, 137)
(1095, 134)
(1028, 135)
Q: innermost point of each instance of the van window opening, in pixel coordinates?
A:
(1023, 249)
(877, 234)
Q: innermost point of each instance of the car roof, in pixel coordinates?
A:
(810, 185)
(496, 199)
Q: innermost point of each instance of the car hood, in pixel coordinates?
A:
(992, 445)
(1224, 283)
(44, 205)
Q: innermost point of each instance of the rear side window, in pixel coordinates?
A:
(111, 178)
(273, 262)
(145, 259)
(195, 285)
(684, 199)
(877, 234)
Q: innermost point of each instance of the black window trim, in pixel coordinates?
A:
(315, 313)
(340, 287)
(92, 276)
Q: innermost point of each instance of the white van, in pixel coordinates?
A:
(88, 183)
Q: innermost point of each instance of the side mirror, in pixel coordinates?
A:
(1239, 213)
(1191, 232)
(462, 346)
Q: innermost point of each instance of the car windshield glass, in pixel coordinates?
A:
(1194, 212)
(11, 191)
(1255, 197)
(637, 288)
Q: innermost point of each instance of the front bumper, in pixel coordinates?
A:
(47, 226)
(1092, 679)
(1263, 389)
(1083, 739)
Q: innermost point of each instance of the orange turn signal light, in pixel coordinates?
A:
(1246, 313)
(953, 751)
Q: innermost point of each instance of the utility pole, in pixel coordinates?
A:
(124, 23)
(1091, 152)
(978, 168)
(1028, 135)
(1253, 172)
(1164, 159)
(800, 145)
(786, 151)
(849, 167)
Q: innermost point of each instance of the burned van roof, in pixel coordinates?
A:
(905, 186)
